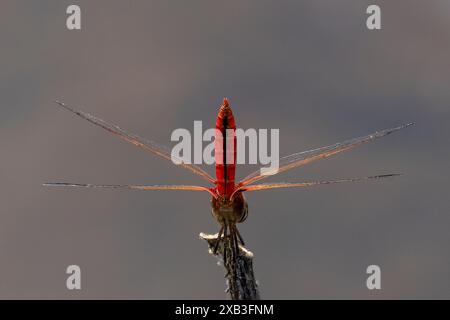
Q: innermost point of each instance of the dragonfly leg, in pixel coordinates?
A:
(219, 238)
(234, 241)
(239, 236)
(224, 239)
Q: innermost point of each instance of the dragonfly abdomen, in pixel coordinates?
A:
(225, 150)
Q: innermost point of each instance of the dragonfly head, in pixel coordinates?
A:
(229, 210)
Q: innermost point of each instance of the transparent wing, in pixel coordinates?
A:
(305, 157)
(266, 186)
(148, 145)
(129, 186)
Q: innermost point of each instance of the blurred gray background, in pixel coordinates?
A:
(310, 68)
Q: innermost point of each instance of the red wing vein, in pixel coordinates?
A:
(278, 185)
(305, 157)
(148, 145)
(128, 186)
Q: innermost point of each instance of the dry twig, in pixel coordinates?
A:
(241, 281)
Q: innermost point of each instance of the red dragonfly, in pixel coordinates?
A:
(229, 206)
